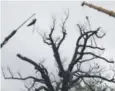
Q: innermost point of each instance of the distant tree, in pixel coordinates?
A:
(85, 54)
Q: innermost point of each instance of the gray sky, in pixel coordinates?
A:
(30, 44)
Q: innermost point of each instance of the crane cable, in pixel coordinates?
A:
(89, 24)
(34, 27)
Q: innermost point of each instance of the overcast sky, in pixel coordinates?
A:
(30, 44)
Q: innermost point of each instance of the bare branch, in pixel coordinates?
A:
(53, 28)
(93, 76)
(20, 78)
(58, 85)
(10, 72)
(81, 29)
(100, 36)
(19, 74)
(88, 46)
(45, 39)
(41, 87)
(64, 34)
(25, 78)
(85, 60)
(90, 87)
(32, 85)
(63, 30)
(97, 56)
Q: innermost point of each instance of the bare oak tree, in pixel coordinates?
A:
(71, 76)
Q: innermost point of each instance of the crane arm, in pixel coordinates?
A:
(109, 12)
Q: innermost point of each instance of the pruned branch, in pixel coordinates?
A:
(14, 32)
(8, 38)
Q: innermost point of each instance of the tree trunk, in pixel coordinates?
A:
(65, 85)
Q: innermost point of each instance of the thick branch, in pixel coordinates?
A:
(87, 35)
(55, 50)
(42, 70)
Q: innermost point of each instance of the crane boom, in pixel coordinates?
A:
(109, 12)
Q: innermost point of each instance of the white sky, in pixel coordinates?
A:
(30, 44)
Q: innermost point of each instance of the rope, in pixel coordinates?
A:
(88, 21)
